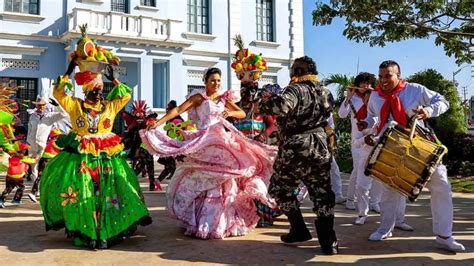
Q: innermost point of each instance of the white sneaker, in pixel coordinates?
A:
(350, 205)
(340, 199)
(379, 236)
(360, 220)
(404, 227)
(32, 197)
(450, 244)
(375, 207)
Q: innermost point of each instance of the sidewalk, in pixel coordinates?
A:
(23, 240)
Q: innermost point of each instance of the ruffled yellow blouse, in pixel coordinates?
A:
(93, 123)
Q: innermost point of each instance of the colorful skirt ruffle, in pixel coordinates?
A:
(97, 199)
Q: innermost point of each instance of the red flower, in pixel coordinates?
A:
(106, 123)
(83, 167)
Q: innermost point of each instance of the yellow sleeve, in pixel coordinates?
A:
(119, 97)
(67, 102)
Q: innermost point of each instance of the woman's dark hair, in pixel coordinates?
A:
(211, 71)
(303, 66)
(173, 103)
(389, 63)
(365, 77)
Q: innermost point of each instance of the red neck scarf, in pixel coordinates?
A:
(362, 112)
(392, 105)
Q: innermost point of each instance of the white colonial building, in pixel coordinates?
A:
(165, 45)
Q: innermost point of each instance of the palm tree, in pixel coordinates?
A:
(342, 82)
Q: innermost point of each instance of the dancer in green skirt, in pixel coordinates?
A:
(88, 188)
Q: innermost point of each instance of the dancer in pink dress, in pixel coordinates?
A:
(213, 188)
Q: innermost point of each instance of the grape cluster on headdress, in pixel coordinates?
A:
(247, 66)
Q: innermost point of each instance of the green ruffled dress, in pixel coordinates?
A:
(88, 188)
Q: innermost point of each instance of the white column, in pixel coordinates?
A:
(145, 79)
(296, 29)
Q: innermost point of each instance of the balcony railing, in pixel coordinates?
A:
(126, 25)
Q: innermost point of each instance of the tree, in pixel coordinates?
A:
(342, 82)
(378, 22)
(453, 120)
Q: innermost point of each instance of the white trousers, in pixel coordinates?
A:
(352, 179)
(441, 205)
(34, 167)
(336, 184)
(368, 190)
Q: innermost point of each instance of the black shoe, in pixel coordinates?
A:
(298, 230)
(332, 250)
(326, 235)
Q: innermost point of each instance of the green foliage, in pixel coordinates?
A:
(453, 120)
(343, 153)
(464, 185)
(342, 82)
(379, 22)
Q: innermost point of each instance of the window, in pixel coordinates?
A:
(148, 3)
(120, 6)
(161, 84)
(265, 20)
(28, 92)
(195, 87)
(22, 6)
(198, 16)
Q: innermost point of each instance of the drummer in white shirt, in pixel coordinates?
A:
(396, 100)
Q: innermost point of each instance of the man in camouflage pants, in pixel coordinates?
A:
(304, 153)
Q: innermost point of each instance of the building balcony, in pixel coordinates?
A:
(126, 28)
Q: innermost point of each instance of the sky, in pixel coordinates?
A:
(335, 54)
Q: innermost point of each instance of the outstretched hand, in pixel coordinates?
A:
(53, 102)
(421, 113)
(110, 73)
(362, 125)
(71, 67)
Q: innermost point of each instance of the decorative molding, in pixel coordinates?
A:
(166, 43)
(196, 74)
(264, 44)
(160, 53)
(93, 1)
(147, 8)
(21, 17)
(200, 52)
(267, 79)
(199, 62)
(131, 50)
(22, 49)
(23, 36)
(20, 64)
(274, 68)
(199, 36)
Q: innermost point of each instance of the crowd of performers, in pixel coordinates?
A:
(232, 166)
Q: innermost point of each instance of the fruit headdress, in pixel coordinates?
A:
(91, 60)
(247, 66)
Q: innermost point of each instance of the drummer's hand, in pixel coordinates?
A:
(369, 140)
(350, 92)
(421, 113)
(362, 125)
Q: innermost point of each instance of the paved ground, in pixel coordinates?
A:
(23, 240)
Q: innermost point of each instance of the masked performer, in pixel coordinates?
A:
(89, 188)
(142, 160)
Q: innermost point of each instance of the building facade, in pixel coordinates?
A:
(164, 45)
